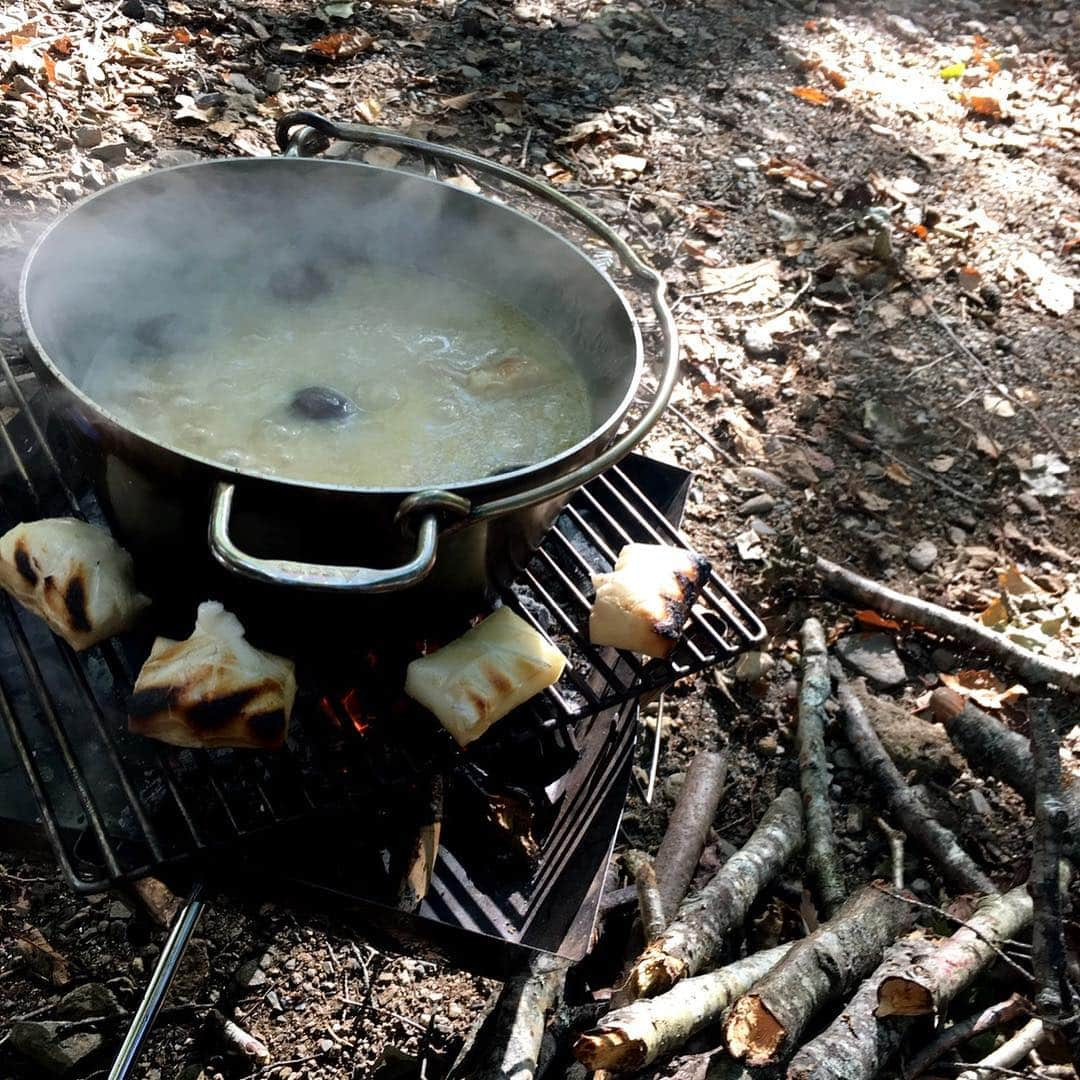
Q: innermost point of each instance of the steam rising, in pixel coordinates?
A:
(164, 268)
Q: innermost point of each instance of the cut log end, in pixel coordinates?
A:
(946, 704)
(752, 1032)
(616, 1049)
(899, 996)
(653, 975)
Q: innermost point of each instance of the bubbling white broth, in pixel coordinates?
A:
(382, 378)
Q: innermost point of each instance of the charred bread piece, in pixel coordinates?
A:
(74, 575)
(643, 604)
(478, 678)
(214, 689)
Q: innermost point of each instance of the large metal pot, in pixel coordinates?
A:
(212, 230)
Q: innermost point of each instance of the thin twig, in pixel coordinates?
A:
(932, 477)
(896, 851)
(1019, 968)
(381, 1008)
(705, 438)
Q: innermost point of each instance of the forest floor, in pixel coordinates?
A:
(870, 225)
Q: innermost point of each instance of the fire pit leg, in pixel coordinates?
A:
(158, 987)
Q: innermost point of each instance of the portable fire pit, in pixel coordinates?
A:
(476, 855)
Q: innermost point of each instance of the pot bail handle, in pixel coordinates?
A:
(300, 134)
(328, 578)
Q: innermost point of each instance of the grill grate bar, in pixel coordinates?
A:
(59, 736)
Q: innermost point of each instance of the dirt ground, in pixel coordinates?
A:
(870, 224)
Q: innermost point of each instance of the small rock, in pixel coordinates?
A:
(922, 556)
(133, 9)
(70, 190)
(883, 552)
(326, 1045)
(965, 519)
(752, 667)
(250, 974)
(908, 30)
(119, 910)
(956, 535)
(114, 153)
(921, 885)
(745, 164)
(1030, 505)
(758, 341)
(752, 475)
(978, 805)
(875, 656)
(274, 1001)
(242, 84)
(86, 136)
(273, 80)
(856, 820)
(138, 133)
(42, 1042)
(138, 966)
(455, 1011)
(759, 504)
(673, 785)
(769, 745)
(90, 999)
(166, 159)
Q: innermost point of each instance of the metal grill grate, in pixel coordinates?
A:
(115, 806)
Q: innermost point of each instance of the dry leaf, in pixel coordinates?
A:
(838, 80)
(997, 405)
(1016, 583)
(749, 546)
(384, 156)
(942, 463)
(985, 445)
(369, 109)
(747, 437)
(749, 283)
(953, 71)
(995, 614)
(183, 35)
(898, 474)
(983, 687)
(342, 45)
(49, 64)
(872, 618)
(190, 111)
(809, 93)
(982, 104)
(461, 101)
(874, 503)
(465, 182)
(62, 46)
(629, 163)
(1055, 294)
(43, 958)
(556, 173)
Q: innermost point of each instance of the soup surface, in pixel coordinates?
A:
(375, 378)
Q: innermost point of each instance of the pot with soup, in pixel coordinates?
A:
(329, 375)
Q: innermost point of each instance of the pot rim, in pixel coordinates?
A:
(501, 480)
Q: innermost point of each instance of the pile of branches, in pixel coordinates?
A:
(880, 983)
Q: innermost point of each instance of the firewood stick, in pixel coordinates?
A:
(517, 1022)
(239, 1039)
(649, 900)
(1009, 1053)
(1031, 667)
(992, 748)
(858, 1044)
(694, 937)
(954, 863)
(688, 827)
(955, 961)
(995, 1016)
(635, 1036)
(424, 851)
(1055, 996)
(896, 851)
(822, 862)
(765, 1024)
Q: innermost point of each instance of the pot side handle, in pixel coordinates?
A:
(356, 579)
(300, 134)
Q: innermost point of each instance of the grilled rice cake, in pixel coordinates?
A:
(478, 678)
(74, 575)
(214, 689)
(643, 604)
